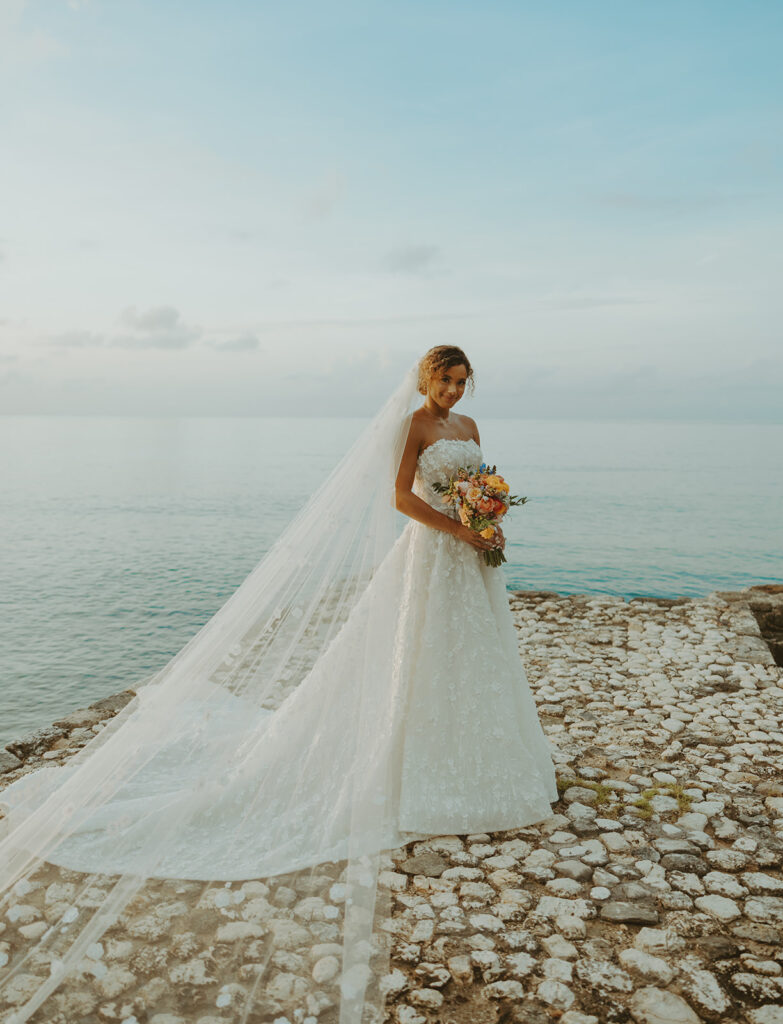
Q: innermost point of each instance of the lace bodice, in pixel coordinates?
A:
(438, 462)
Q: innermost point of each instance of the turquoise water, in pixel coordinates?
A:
(120, 537)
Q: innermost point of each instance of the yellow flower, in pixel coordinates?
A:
(497, 482)
(464, 516)
(488, 532)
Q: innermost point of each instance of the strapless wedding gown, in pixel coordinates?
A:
(456, 745)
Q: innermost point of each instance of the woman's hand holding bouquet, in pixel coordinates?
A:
(481, 498)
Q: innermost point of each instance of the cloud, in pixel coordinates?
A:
(165, 317)
(411, 259)
(157, 327)
(77, 339)
(87, 339)
(164, 340)
(242, 343)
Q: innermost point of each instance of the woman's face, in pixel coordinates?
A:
(447, 386)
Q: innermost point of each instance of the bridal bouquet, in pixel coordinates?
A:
(481, 498)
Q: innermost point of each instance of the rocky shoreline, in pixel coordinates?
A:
(653, 894)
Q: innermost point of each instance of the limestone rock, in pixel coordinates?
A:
(629, 913)
(8, 761)
(428, 863)
(659, 1006)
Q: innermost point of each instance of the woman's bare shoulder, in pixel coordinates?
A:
(469, 426)
(419, 422)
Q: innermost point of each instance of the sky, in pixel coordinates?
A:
(255, 208)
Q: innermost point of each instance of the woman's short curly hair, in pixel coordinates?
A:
(442, 357)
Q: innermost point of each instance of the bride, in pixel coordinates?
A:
(215, 850)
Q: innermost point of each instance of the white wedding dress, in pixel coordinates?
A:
(350, 697)
(457, 748)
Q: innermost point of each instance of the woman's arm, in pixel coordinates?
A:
(498, 540)
(412, 505)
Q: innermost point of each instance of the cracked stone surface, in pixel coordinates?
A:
(654, 892)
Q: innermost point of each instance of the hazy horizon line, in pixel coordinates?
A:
(736, 421)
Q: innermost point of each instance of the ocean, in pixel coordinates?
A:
(122, 536)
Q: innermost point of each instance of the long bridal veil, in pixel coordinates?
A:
(224, 832)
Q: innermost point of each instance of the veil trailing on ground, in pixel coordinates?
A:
(218, 842)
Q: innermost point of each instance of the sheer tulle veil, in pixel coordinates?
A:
(243, 787)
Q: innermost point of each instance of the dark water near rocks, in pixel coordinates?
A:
(121, 537)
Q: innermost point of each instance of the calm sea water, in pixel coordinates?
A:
(121, 537)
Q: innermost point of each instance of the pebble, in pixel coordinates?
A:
(721, 907)
(646, 966)
(556, 994)
(651, 1005)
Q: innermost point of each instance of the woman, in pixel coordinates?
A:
(360, 690)
(474, 756)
